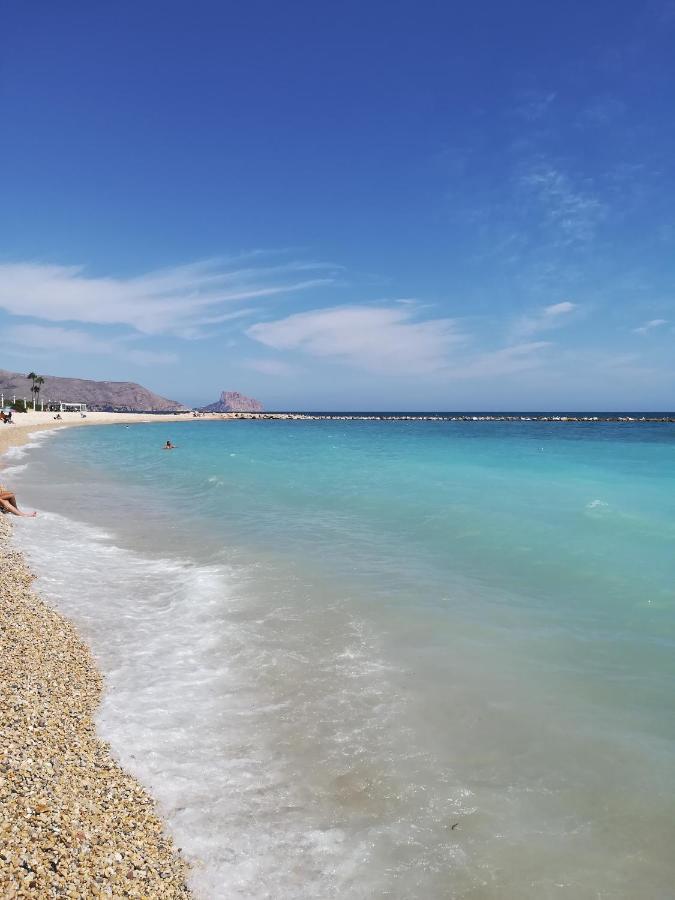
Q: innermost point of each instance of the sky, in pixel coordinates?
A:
(364, 205)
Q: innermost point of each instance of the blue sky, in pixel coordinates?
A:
(364, 205)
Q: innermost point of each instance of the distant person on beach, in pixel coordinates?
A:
(169, 446)
(8, 504)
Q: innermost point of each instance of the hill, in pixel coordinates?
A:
(108, 396)
(233, 401)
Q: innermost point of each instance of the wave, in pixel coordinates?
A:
(35, 439)
(263, 730)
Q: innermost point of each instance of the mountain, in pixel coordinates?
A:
(119, 396)
(233, 401)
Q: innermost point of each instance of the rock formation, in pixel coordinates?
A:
(117, 396)
(233, 401)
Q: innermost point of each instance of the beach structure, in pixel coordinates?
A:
(71, 407)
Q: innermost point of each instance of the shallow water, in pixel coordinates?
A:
(328, 643)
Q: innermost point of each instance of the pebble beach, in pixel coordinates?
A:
(72, 822)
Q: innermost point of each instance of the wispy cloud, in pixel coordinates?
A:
(391, 341)
(545, 319)
(388, 340)
(177, 300)
(54, 339)
(651, 325)
(573, 211)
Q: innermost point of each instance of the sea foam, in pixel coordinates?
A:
(270, 758)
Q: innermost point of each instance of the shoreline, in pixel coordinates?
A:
(72, 821)
(549, 819)
(26, 423)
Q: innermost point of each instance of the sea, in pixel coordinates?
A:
(379, 659)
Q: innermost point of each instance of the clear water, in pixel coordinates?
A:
(328, 643)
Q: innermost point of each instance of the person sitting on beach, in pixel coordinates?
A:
(169, 446)
(8, 504)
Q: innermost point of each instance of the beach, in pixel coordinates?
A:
(72, 822)
(365, 658)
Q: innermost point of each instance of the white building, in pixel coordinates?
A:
(72, 407)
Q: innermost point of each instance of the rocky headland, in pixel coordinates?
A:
(233, 401)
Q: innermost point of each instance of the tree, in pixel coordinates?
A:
(32, 376)
(39, 381)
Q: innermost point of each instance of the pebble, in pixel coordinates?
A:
(72, 822)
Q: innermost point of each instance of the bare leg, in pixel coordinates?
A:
(10, 507)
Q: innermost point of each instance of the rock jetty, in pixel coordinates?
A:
(72, 822)
(442, 417)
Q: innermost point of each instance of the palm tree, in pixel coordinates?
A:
(32, 377)
(39, 381)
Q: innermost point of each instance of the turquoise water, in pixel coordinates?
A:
(328, 643)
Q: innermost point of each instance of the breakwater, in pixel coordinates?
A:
(443, 417)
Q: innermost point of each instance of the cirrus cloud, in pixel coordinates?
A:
(572, 212)
(391, 341)
(178, 300)
(388, 340)
(651, 325)
(547, 318)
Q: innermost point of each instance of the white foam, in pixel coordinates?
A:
(35, 439)
(14, 470)
(268, 752)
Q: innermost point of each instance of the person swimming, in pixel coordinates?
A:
(169, 446)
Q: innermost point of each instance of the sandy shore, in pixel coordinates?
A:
(72, 822)
(25, 423)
